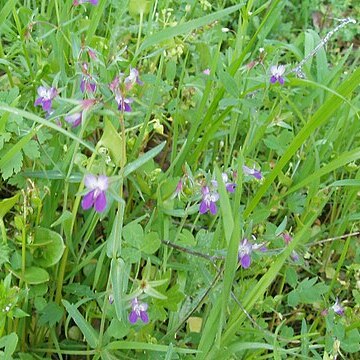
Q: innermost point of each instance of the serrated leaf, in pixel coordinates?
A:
(31, 150)
(13, 166)
(51, 314)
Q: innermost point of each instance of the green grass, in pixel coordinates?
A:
(69, 275)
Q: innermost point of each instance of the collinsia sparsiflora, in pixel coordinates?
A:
(206, 72)
(123, 103)
(338, 309)
(208, 201)
(74, 119)
(96, 197)
(287, 239)
(230, 187)
(78, 2)
(87, 83)
(178, 190)
(138, 311)
(46, 95)
(245, 250)
(253, 172)
(277, 73)
(132, 79)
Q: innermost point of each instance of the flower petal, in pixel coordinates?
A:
(100, 202)
(47, 105)
(213, 208)
(144, 316)
(203, 207)
(133, 317)
(88, 200)
(91, 181)
(245, 261)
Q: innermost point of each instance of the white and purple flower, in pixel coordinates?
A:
(96, 197)
(253, 172)
(74, 119)
(46, 95)
(208, 202)
(244, 252)
(277, 73)
(78, 2)
(138, 311)
(132, 79)
(338, 309)
(123, 102)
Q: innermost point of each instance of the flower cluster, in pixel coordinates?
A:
(120, 87)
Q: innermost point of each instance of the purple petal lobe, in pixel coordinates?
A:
(144, 316)
(38, 101)
(245, 261)
(100, 202)
(203, 207)
(133, 317)
(281, 80)
(82, 85)
(273, 79)
(230, 187)
(47, 105)
(88, 200)
(213, 208)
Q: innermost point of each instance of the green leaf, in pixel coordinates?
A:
(33, 275)
(87, 330)
(185, 28)
(9, 342)
(31, 150)
(112, 141)
(7, 204)
(143, 159)
(151, 243)
(133, 234)
(51, 314)
(50, 245)
(11, 163)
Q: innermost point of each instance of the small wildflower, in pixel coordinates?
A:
(287, 239)
(87, 85)
(111, 299)
(178, 190)
(96, 197)
(123, 103)
(253, 172)
(78, 2)
(132, 79)
(206, 72)
(338, 309)
(138, 310)
(91, 53)
(45, 98)
(245, 250)
(277, 73)
(74, 119)
(230, 187)
(208, 202)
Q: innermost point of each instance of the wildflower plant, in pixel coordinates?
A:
(160, 186)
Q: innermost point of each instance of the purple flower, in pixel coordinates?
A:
(253, 172)
(87, 85)
(208, 201)
(132, 79)
(92, 52)
(123, 103)
(277, 73)
(138, 310)
(338, 309)
(206, 72)
(74, 119)
(230, 187)
(96, 197)
(287, 239)
(78, 2)
(178, 190)
(45, 97)
(245, 250)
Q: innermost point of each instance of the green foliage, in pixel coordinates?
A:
(203, 107)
